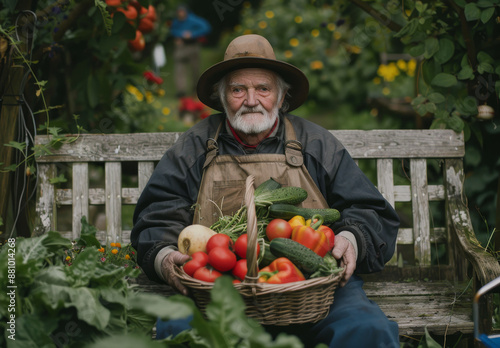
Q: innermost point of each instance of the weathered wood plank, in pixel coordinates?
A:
(385, 184)
(97, 196)
(144, 172)
(420, 210)
(402, 193)
(360, 144)
(113, 182)
(46, 209)
(80, 196)
(442, 307)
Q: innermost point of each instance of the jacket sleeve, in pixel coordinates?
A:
(164, 209)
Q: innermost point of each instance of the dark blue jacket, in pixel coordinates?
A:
(164, 207)
(196, 25)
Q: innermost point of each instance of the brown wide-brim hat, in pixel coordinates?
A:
(252, 51)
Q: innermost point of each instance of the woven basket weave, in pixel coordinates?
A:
(306, 301)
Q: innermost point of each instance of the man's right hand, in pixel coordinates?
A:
(167, 269)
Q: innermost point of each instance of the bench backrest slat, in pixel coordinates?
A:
(113, 192)
(80, 195)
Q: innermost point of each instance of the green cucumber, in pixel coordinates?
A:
(268, 256)
(301, 256)
(266, 186)
(288, 211)
(288, 195)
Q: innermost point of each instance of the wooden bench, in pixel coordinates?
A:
(438, 264)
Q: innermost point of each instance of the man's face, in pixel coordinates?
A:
(252, 103)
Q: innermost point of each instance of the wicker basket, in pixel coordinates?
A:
(271, 304)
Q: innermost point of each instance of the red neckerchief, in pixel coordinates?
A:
(241, 141)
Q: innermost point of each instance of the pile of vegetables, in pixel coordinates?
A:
(294, 243)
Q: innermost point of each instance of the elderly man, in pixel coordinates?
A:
(254, 134)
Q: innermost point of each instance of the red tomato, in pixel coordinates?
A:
(114, 3)
(278, 228)
(130, 12)
(219, 240)
(138, 44)
(206, 274)
(145, 25)
(236, 281)
(198, 260)
(240, 269)
(222, 259)
(240, 246)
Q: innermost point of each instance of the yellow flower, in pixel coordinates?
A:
(288, 54)
(112, 245)
(160, 127)
(408, 13)
(298, 19)
(118, 245)
(315, 32)
(165, 111)
(294, 42)
(401, 64)
(331, 26)
(262, 24)
(355, 49)
(237, 28)
(247, 31)
(374, 112)
(149, 97)
(114, 251)
(269, 14)
(316, 65)
(68, 258)
(388, 72)
(337, 35)
(377, 80)
(412, 65)
(386, 91)
(127, 257)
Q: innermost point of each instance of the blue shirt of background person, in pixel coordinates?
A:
(187, 25)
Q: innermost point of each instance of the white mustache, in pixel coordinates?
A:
(252, 110)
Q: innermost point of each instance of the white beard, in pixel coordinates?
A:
(259, 122)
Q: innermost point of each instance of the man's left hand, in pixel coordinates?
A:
(344, 251)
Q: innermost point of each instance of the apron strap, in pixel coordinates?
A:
(293, 147)
(212, 147)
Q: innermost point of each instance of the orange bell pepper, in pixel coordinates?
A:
(326, 230)
(280, 271)
(311, 237)
(297, 220)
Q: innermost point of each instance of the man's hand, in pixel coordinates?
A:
(167, 269)
(344, 251)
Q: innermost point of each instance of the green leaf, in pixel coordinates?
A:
(106, 17)
(430, 107)
(430, 68)
(55, 242)
(417, 50)
(455, 123)
(466, 73)
(487, 14)
(431, 47)
(32, 248)
(443, 114)
(472, 12)
(11, 168)
(88, 234)
(485, 3)
(429, 342)
(484, 67)
(20, 146)
(445, 52)
(444, 80)
(57, 179)
(484, 57)
(83, 267)
(436, 97)
(126, 341)
(32, 331)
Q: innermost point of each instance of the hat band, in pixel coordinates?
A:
(248, 54)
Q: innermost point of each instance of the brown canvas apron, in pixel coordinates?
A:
(222, 188)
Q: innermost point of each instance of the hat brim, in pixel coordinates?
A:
(292, 75)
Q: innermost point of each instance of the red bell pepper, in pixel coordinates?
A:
(311, 237)
(280, 271)
(329, 234)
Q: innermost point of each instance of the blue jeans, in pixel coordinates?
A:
(353, 321)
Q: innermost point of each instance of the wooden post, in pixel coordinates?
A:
(8, 127)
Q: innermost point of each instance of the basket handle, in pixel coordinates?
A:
(252, 272)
